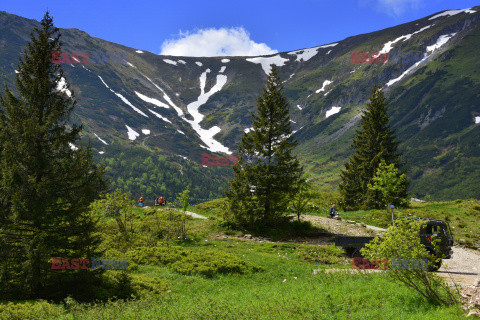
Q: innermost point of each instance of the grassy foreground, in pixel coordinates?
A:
(283, 288)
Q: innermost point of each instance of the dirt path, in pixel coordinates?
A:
(345, 227)
(463, 268)
(195, 215)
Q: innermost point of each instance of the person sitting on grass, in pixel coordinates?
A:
(332, 213)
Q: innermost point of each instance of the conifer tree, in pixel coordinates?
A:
(267, 174)
(46, 183)
(374, 142)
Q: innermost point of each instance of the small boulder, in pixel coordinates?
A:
(476, 283)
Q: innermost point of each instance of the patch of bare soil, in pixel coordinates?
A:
(344, 227)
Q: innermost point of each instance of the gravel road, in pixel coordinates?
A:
(195, 215)
(463, 268)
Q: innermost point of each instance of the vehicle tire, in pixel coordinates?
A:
(353, 252)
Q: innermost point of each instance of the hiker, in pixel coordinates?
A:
(157, 201)
(162, 201)
(333, 214)
(140, 202)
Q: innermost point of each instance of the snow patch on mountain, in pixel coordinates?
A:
(225, 60)
(298, 106)
(181, 61)
(307, 54)
(477, 120)
(145, 131)
(430, 49)
(101, 152)
(170, 61)
(247, 130)
(131, 65)
(222, 69)
(159, 116)
(332, 111)
(387, 47)
(207, 135)
(266, 62)
(154, 101)
(452, 13)
(166, 97)
(198, 63)
(180, 132)
(325, 83)
(124, 99)
(132, 134)
(16, 71)
(103, 141)
(139, 51)
(62, 86)
(203, 97)
(72, 146)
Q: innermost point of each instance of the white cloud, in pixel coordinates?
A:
(394, 7)
(215, 42)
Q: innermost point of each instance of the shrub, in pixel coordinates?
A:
(156, 255)
(402, 241)
(209, 263)
(27, 310)
(143, 285)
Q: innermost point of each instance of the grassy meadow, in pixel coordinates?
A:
(202, 276)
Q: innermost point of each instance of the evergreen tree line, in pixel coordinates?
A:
(137, 173)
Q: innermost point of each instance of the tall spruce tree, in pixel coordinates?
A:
(267, 174)
(46, 183)
(374, 142)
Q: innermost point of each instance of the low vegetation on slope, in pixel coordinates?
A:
(279, 285)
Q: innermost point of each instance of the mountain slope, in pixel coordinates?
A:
(164, 108)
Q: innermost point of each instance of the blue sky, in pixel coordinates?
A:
(246, 27)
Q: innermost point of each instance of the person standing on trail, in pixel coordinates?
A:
(332, 212)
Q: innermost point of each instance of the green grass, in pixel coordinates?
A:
(280, 286)
(273, 293)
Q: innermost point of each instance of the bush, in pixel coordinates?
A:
(209, 263)
(402, 241)
(30, 310)
(156, 255)
(144, 285)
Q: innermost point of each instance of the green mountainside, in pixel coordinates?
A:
(183, 107)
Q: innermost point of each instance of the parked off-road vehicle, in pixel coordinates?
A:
(434, 229)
